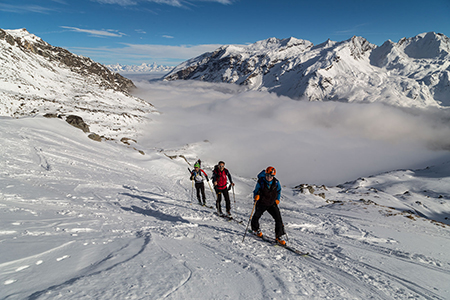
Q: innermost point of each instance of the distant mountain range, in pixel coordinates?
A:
(142, 68)
(38, 78)
(414, 72)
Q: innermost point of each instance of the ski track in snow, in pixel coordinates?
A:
(104, 222)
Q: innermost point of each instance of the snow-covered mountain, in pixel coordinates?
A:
(414, 72)
(37, 78)
(142, 68)
(82, 220)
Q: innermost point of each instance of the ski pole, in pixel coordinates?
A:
(210, 188)
(285, 233)
(192, 189)
(192, 192)
(249, 220)
(234, 198)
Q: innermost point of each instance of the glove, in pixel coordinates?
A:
(277, 201)
(256, 197)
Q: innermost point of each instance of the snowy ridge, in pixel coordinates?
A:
(37, 78)
(142, 68)
(414, 72)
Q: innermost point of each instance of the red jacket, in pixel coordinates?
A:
(221, 178)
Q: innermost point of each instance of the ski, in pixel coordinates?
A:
(207, 206)
(275, 243)
(228, 218)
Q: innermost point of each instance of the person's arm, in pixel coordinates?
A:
(214, 178)
(256, 191)
(229, 177)
(278, 193)
(206, 176)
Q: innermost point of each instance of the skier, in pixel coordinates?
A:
(267, 195)
(197, 175)
(219, 179)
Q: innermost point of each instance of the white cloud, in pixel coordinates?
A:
(94, 32)
(136, 54)
(167, 36)
(166, 51)
(119, 2)
(177, 3)
(25, 8)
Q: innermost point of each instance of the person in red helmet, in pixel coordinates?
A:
(267, 195)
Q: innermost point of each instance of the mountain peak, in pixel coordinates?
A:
(426, 45)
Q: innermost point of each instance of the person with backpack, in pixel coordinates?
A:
(197, 176)
(267, 195)
(219, 179)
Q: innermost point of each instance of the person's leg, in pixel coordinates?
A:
(226, 195)
(274, 211)
(219, 199)
(198, 189)
(256, 216)
(202, 190)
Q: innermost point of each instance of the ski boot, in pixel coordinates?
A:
(258, 233)
(280, 241)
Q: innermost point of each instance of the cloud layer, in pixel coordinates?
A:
(308, 142)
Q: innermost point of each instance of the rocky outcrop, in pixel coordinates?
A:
(77, 122)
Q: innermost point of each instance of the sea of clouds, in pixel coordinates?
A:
(307, 142)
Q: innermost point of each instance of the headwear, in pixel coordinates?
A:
(271, 171)
(196, 165)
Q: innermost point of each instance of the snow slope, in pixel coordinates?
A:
(81, 219)
(414, 72)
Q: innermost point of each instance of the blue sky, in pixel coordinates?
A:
(170, 31)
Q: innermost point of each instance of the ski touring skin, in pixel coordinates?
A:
(275, 243)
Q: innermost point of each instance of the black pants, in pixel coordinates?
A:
(225, 194)
(274, 211)
(200, 187)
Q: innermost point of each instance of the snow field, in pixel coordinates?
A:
(82, 219)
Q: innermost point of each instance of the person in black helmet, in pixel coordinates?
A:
(219, 179)
(267, 195)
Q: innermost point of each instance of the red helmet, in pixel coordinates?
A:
(271, 171)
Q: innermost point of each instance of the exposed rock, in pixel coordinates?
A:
(127, 141)
(95, 137)
(52, 115)
(77, 122)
